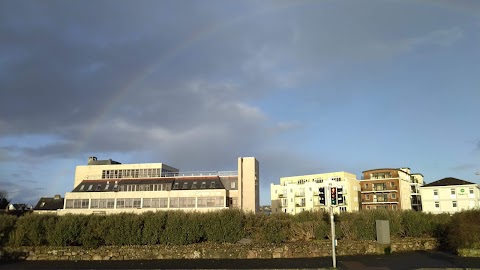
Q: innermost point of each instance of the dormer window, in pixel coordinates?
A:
(204, 185)
(175, 186)
(194, 185)
(212, 185)
(185, 185)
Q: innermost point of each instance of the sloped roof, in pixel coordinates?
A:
(449, 181)
(180, 183)
(46, 203)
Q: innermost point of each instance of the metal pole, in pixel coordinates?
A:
(332, 226)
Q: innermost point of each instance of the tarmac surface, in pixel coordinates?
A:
(413, 260)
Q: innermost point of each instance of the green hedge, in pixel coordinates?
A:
(464, 230)
(230, 226)
(7, 223)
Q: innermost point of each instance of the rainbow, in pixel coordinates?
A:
(197, 36)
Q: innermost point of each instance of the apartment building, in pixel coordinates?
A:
(296, 194)
(450, 195)
(107, 186)
(391, 188)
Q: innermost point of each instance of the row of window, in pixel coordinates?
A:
(116, 187)
(151, 187)
(135, 173)
(453, 191)
(380, 175)
(454, 204)
(381, 186)
(179, 202)
(383, 197)
(316, 180)
(369, 207)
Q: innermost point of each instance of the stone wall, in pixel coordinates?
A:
(208, 250)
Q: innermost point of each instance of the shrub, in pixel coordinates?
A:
(33, 229)
(180, 229)
(153, 227)
(276, 228)
(463, 230)
(68, 230)
(92, 234)
(122, 229)
(416, 224)
(7, 223)
(252, 226)
(224, 226)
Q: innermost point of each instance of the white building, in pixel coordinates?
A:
(449, 195)
(107, 186)
(296, 194)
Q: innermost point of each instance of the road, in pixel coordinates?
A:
(400, 261)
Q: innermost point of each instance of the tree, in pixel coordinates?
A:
(3, 199)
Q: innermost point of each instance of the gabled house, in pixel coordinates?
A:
(48, 205)
(449, 195)
(17, 209)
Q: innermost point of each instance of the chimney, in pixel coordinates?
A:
(91, 159)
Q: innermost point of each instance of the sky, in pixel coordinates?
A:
(306, 87)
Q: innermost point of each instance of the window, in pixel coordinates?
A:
(210, 202)
(393, 195)
(185, 185)
(90, 188)
(454, 204)
(120, 203)
(175, 186)
(435, 192)
(173, 202)
(194, 185)
(392, 184)
(437, 205)
(204, 185)
(137, 203)
(98, 188)
(186, 202)
(367, 197)
(452, 191)
(366, 186)
(212, 184)
(102, 203)
(232, 185)
(470, 190)
(76, 203)
(82, 187)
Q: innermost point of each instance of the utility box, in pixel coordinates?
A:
(383, 232)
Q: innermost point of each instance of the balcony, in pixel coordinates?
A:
(381, 190)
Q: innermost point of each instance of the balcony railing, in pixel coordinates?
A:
(388, 189)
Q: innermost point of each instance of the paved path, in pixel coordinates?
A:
(400, 261)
